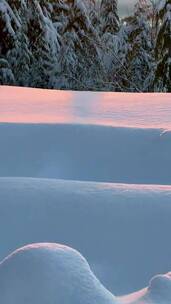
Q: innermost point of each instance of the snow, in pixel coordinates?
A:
(9, 16)
(161, 5)
(126, 8)
(158, 291)
(77, 170)
(125, 229)
(86, 152)
(25, 105)
(49, 273)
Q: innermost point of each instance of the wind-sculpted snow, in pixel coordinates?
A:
(52, 273)
(122, 230)
(86, 152)
(49, 273)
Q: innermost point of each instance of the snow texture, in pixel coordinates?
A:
(49, 273)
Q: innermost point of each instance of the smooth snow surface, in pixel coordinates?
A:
(86, 152)
(122, 230)
(47, 274)
(115, 109)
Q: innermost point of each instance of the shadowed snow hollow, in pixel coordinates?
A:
(49, 273)
(86, 152)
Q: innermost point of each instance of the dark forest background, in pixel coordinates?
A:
(84, 45)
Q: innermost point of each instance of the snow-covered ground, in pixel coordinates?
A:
(122, 230)
(113, 109)
(86, 152)
(98, 181)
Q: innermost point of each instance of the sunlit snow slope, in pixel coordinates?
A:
(25, 105)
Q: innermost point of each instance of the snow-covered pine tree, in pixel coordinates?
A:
(162, 81)
(79, 63)
(29, 42)
(137, 63)
(76, 44)
(43, 43)
(61, 14)
(109, 16)
(9, 25)
(6, 75)
(93, 12)
(20, 56)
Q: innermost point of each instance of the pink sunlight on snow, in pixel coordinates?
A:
(33, 105)
(27, 105)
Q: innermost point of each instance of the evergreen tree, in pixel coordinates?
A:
(138, 61)
(6, 75)
(9, 25)
(82, 45)
(43, 43)
(109, 16)
(162, 80)
(20, 56)
(79, 46)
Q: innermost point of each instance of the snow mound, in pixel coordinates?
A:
(158, 292)
(160, 288)
(49, 273)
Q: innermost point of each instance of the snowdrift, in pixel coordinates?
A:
(52, 273)
(122, 230)
(49, 273)
(86, 152)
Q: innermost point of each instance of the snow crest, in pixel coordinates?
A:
(49, 273)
